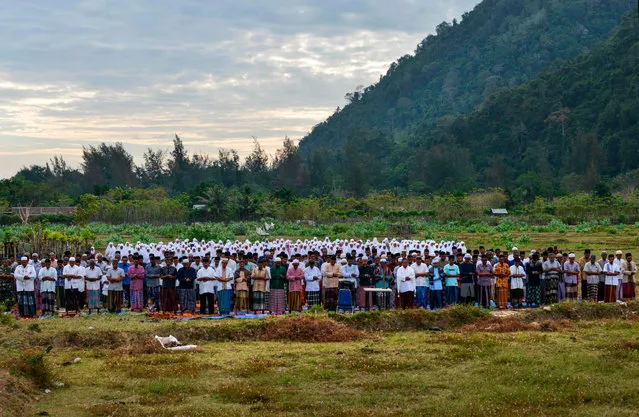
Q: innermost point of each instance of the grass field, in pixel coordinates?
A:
(571, 360)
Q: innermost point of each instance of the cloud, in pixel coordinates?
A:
(216, 72)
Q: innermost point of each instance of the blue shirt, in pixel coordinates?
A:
(125, 268)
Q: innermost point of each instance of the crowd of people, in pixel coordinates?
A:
(290, 276)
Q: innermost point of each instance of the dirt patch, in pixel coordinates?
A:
(309, 329)
(514, 323)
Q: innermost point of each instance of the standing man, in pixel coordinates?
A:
(517, 275)
(136, 278)
(277, 302)
(330, 280)
(93, 276)
(592, 270)
(619, 261)
(406, 284)
(312, 276)
(485, 280)
(452, 274)
(186, 277)
(571, 277)
(629, 272)
(366, 280)
(583, 282)
(25, 276)
(467, 270)
(208, 287)
(168, 296)
(126, 284)
(295, 276)
(115, 297)
(153, 271)
(225, 277)
(74, 282)
(552, 271)
(260, 277)
(502, 275)
(612, 271)
(421, 283)
(602, 277)
(60, 300)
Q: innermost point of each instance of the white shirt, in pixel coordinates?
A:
(420, 269)
(229, 274)
(612, 267)
(47, 286)
(517, 282)
(207, 287)
(406, 285)
(19, 274)
(73, 283)
(309, 273)
(105, 285)
(93, 273)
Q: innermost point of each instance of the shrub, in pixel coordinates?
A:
(33, 366)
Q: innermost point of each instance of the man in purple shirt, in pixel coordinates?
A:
(571, 275)
(136, 273)
(485, 280)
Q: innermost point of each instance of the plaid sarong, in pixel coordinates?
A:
(593, 292)
(48, 301)
(26, 303)
(137, 300)
(571, 291)
(313, 298)
(114, 301)
(93, 299)
(186, 297)
(277, 301)
(258, 300)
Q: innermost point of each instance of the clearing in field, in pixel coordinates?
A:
(570, 359)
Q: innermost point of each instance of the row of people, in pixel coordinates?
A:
(244, 282)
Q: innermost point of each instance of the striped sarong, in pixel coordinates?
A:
(186, 297)
(593, 292)
(48, 301)
(258, 300)
(267, 301)
(224, 301)
(313, 298)
(93, 299)
(571, 291)
(26, 303)
(277, 303)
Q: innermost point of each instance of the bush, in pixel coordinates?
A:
(33, 366)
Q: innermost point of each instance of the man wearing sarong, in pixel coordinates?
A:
(152, 272)
(484, 280)
(571, 277)
(629, 272)
(37, 265)
(242, 278)
(186, 277)
(383, 279)
(312, 277)
(534, 270)
(452, 274)
(437, 281)
(260, 277)
(592, 270)
(126, 284)
(421, 283)
(168, 295)
(602, 277)
(619, 261)
(611, 270)
(467, 270)
(330, 280)
(136, 277)
(25, 276)
(583, 277)
(115, 296)
(552, 271)
(366, 280)
(73, 287)
(7, 296)
(277, 302)
(517, 275)
(502, 275)
(225, 277)
(295, 276)
(92, 277)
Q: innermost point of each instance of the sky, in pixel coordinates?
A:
(215, 72)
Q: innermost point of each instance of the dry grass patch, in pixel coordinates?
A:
(309, 329)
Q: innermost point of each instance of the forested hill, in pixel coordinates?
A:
(501, 43)
(570, 127)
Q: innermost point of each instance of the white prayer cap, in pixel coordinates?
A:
(468, 256)
(572, 255)
(514, 248)
(295, 261)
(224, 260)
(72, 259)
(344, 261)
(185, 261)
(278, 259)
(34, 254)
(24, 258)
(436, 259)
(619, 252)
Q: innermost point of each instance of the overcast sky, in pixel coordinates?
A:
(216, 72)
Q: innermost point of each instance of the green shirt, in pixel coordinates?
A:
(278, 277)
